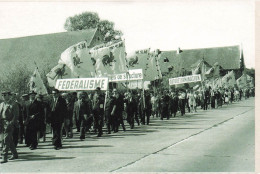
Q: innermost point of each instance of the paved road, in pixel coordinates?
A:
(220, 140)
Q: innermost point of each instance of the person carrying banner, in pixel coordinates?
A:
(8, 113)
(58, 111)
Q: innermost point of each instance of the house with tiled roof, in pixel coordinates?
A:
(44, 49)
(182, 61)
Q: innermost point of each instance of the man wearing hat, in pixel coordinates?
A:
(35, 112)
(8, 112)
(58, 112)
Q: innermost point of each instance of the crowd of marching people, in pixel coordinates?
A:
(24, 119)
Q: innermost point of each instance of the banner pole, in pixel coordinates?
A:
(106, 96)
(143, 92)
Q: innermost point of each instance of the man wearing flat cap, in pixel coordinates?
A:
(58, 112)
(8, 112)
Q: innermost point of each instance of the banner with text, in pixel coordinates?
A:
(81, 84)
(134, 74)
(185, 79)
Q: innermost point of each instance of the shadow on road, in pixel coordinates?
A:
(35, 157)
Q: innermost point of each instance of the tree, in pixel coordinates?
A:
(90, 20)
(83, 21)
(16, 78)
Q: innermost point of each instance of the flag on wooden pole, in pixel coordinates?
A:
(36, 84)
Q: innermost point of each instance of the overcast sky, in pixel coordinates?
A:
(167, 26)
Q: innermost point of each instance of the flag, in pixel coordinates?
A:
(109, 59)
(213, 71)
(200, 69)
(60, 71)
(138, 59)
(36, 83)
(78, 58)
(217, 83)
(242, 81)
(152, 70)
(148, 61)
(229, 80)
(250, 81)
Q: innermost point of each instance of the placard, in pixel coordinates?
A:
(81, 84)
(185, 79)
(134, 74)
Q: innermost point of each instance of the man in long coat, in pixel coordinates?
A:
(35, 112)
(58, 111)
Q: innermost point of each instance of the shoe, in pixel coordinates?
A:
(3, 161)
(13, 157)
(32, 148)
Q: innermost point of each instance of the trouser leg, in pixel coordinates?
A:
(83, 129)
(136, 118)
(21, 133)
(57, 134)
(121, 121)
(8, 143)
(15, 135)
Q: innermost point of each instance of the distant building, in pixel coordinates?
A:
(182, 62)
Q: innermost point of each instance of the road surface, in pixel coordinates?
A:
(217, 140)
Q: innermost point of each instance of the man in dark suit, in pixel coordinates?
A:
(35, 111)
(81, 111)
(58, 111)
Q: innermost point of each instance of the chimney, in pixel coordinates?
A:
(179, 50)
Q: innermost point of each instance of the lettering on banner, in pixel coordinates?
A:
(81, 84)
(185, 79)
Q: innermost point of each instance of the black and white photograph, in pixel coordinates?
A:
(128, 86)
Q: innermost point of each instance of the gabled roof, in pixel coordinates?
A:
(227, 57)
(37, 48)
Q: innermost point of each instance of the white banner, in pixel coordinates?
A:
(185, 79)
(81, 84)
(134, 74)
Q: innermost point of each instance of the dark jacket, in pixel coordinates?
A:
(58, 110)
(35, 112)
(81, 109)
